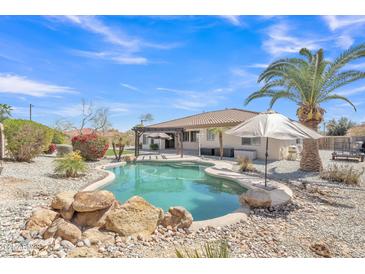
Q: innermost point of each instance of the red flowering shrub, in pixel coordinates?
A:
(52, 148)
(91, 146)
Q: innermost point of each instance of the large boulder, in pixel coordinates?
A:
(177, 217)
(134, 217)
(87, 201)
(96, 236)
(93, 218)
(256, 198)
(63, 202)
(41, 218)
(65, 230)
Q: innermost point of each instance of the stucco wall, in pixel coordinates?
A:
(277, 148)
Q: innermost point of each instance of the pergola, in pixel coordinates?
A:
(178, 131)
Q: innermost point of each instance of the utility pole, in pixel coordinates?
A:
(30, 111)
(324, 128)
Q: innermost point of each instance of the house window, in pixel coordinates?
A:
(185, 136)
(144, 139)
(210, 135)
(193, 136)
(256, 141)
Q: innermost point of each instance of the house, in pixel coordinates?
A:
(355, 131)
(197, 136)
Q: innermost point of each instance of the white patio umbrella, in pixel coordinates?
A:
(160, 136)
(274, 125)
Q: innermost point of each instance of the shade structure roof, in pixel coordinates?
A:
(273, 125)
(159, 135)
(218, 118)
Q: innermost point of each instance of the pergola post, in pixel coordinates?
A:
(177, 138)
(181, 144)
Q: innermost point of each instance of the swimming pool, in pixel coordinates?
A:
(177, 184)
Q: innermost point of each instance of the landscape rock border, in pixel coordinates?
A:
(105, 220)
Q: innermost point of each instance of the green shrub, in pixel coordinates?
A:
(343, 174)
(245, 164)
(58, 137)
(70, 165)
(154, 146)
(216, 249)
(26, 139)
(91, 146)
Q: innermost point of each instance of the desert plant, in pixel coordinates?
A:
(58, 137)
(91, 146)
(216, 249)
(5, 111)
(153, 146)
(52, 148)
(118, 143)
(71, 165)
(344, 174)
(129, 158)
(309, 82)
(245, 164)
(26, 139)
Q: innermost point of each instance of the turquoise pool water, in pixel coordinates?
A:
(177, 184)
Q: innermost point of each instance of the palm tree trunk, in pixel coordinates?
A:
(311, 160)
(221, 144)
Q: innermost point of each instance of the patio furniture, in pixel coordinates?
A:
(348, 151)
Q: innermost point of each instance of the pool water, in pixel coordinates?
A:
(177, 184)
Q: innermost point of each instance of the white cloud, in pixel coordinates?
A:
(116, 37)
(338, 22)
(356, 66)
(258, 66)
(124, 46)
(281, 41)
(233, 19)
(120, 58)
(15, 84)
(129, 87)
(352, 91)
(344, 41)
(195, 100)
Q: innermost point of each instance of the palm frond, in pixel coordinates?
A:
(338, 97)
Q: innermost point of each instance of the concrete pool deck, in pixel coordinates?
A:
(279, 193)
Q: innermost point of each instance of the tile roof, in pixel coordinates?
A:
(218, 118)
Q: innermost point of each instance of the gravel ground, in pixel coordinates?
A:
(326, 214)
(289, 170)
(25, 186)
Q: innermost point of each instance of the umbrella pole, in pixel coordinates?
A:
(266, 155)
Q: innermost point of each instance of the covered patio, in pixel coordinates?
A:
(177, 131)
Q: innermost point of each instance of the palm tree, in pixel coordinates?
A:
(219, 131)
(5, 111)
(309, 81)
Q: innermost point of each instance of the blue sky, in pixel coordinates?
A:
(170, 66)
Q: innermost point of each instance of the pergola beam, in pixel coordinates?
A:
(138, 131)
